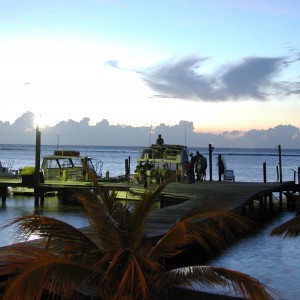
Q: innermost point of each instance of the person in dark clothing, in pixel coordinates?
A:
(192, 168)
(146, 173)
(198, 165)
(160, 140)
(221, 167)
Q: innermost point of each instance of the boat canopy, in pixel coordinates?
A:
(66, 153)
(166, 152)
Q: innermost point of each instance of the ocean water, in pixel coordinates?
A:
(272, 260)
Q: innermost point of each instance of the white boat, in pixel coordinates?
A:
(69, 166)
(6, 171)
(159, 162)
(63, 167)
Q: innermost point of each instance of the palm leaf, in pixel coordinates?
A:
(59, 235)
(209, 276)
(102, 197)
(209, 230)
(105, 227)
(39, 270)
(140, 213)
(291, 228)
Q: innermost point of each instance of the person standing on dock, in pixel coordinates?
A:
(221, 167)
(192, 168)
(198, 157)
(200, 166)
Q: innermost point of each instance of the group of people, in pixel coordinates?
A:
(147, 173)
(196, 168)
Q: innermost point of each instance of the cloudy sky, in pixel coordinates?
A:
(223, 65)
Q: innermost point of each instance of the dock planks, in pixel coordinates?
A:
(212, 196)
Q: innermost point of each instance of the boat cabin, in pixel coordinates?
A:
(68, 165)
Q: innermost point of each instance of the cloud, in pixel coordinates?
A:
(72, 132)
(251, 78)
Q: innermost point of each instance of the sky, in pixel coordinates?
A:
(222, 65)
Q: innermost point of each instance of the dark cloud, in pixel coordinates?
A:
(294, 92)
(103, 134)
(251, 78)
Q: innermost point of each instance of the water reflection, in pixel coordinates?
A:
(272, 260)
(23, 205)
(18, 205)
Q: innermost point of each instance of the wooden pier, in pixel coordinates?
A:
(253, 199)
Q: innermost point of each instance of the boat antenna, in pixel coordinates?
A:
(185, 133)
(150, 131)
(57, 142)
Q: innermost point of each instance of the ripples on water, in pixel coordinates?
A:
(17, 206)
(272, 260)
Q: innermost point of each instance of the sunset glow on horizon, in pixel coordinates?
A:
(221, 66)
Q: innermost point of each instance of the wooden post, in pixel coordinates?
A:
(37, 165)
(129, 164)
(3, 194)
(265, 172)
(298, 175)
(127, 171)
(210, 150)
(219, 166)
(280, 176)
(280, 164)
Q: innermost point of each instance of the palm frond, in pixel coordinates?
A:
(56, 234)
(104, 225)
(291, 228)
(103, 198)
(209, 276)
(229, 225)
(209, 230)
(141, 211)
(39, 270)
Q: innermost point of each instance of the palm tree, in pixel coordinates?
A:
(290, 228)
(114, 259)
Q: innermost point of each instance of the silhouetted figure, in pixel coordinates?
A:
(146, 173)
(163, 173)
(197, 165)
(160, 140)
(138, 173)
(221, 167)
(200, 166)
(192, 168)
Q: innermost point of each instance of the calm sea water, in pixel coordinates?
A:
(272, 260)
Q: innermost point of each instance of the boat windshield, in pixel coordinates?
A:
(62, 162)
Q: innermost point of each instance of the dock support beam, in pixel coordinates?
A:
(3, 194)
(210, 150)
(37, 166)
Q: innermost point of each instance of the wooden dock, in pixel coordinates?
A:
(256, 200)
